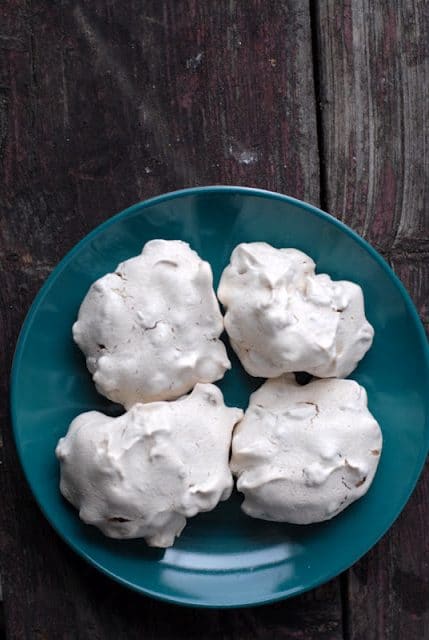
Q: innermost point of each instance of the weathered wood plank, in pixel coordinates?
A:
(103, 104)
(374, 98)
(388, 589)
(413, 270)
(373, 90)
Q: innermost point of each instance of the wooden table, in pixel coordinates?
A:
(106, 103)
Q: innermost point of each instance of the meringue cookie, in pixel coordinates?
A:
(150, 330)
(302, 454)
(144, 473)
(281, 317)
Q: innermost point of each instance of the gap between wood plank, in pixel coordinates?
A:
(316, 51)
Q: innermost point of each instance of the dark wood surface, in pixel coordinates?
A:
(105, 103)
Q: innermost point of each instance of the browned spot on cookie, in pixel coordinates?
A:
(360, 483)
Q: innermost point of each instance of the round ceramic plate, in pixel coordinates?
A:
(224, 558)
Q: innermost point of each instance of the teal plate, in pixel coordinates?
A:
(224, 558)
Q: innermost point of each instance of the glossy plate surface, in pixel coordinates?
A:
(224, 558)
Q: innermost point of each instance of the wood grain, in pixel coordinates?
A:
(103, 104)
(374, 99)
(373, 71)
(413, 269)
(391, 583)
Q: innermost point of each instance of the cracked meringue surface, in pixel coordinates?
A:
(302, 454)
(150, 330)
(143, 473)
(282, 317)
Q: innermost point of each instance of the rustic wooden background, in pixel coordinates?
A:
(104, 103)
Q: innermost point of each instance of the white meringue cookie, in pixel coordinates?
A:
(302, 454)
(281, 317)
(144, 473)
(150, 330)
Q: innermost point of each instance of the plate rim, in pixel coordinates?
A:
(140, 206)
